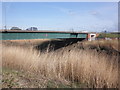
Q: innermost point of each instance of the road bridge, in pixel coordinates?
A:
(23, 34)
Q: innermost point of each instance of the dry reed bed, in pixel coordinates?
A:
(24, 42)
(113, 44)
(82, 66)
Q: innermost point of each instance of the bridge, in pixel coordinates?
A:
(23, 34)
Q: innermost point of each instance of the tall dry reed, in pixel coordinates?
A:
(82, 66)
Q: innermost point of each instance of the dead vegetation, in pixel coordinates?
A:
(70, 66)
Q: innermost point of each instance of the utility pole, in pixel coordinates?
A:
(72, 30)
(4, 9)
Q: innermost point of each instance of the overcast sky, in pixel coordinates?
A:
(61, 16)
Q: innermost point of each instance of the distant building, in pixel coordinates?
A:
(92, 36)
(84, 31)
(115, 32)
(15, 28)
(32, 29)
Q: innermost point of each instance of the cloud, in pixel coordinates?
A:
(108, 11)
(107, 16)
(67, 11)
(95, 13)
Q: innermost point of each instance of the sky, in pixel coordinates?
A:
(61, 16)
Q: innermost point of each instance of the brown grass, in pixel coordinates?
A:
(114, 44)
(82, 66)
(26, 41)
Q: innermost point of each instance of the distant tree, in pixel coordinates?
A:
(105, 31)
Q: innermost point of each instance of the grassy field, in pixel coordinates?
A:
(109, 35)
(81, 65)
